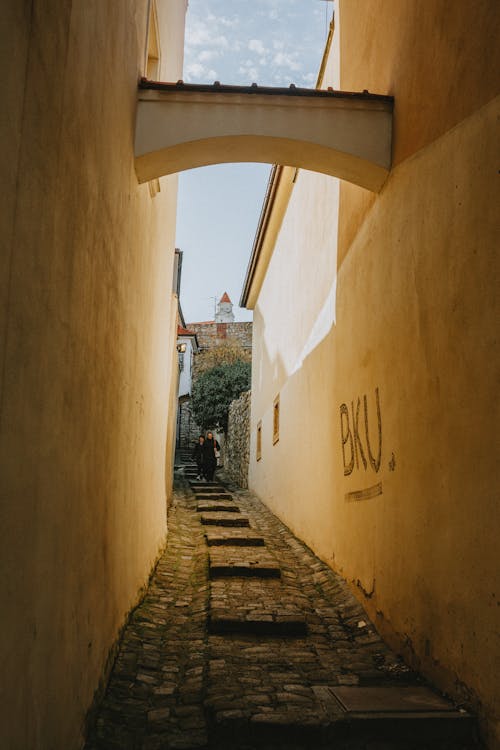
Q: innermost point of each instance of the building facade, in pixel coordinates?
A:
(187, 349)
(88, 329)
(223, 329)
(375, 368)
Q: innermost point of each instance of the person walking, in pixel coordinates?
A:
(198, 456)
(210, 446)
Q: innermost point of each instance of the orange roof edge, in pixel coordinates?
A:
(184, 331)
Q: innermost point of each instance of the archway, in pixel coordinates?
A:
(182, 126)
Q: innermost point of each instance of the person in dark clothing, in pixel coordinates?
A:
(209, 458)
(198, 456)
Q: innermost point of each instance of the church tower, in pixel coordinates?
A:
(224, 312)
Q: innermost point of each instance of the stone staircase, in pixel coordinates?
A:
(249, 597)
(246, 641)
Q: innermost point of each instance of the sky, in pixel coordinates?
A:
(269, 42)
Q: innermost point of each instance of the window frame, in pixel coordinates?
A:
(276, 419)
(258, 450)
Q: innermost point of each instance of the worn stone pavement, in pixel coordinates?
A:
(214, 660)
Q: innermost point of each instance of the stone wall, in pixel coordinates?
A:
(188, 429)
(237, 448)
(212, 334)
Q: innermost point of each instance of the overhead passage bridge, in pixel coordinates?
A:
(181, 126)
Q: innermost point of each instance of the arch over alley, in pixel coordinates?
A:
(183, 126)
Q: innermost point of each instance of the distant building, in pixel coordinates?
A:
(223, 331)
(224, 312)
(187, 348)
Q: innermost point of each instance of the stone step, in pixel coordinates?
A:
(233, 538)
(247, 562)
(224, 519)
(207, 506)
(206, 485)
(254, 606)
(257, 623)
(412, 719)
(213, 496)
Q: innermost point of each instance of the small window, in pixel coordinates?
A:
(276, 419)
(259, 440)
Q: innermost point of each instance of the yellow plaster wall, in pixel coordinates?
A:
(440, 63)
(416, 318)
(86, 323)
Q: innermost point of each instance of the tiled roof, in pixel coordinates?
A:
(292, 90)
(184, 331)
(225, 298)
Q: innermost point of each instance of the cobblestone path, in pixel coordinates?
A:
(246, 640)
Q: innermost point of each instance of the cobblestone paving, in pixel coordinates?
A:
(156, 692)
(177, 684)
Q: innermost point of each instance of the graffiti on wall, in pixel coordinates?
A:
(361, 436)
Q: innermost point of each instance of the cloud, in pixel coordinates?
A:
(309, 78)
(256, 45)
(230, 23)
(287, 60)
(249, 71)
(199, 35)
(205, 31)
(200, 72)
(268, 41)
(208, 54)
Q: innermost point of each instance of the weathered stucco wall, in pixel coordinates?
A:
(237, 445)
(416, 325)
(87, 335)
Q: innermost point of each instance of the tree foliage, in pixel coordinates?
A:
(214, 390)
(223, 354)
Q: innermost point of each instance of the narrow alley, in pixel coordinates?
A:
(246, 640)
(265, 234)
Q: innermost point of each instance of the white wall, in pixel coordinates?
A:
(186, 374)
